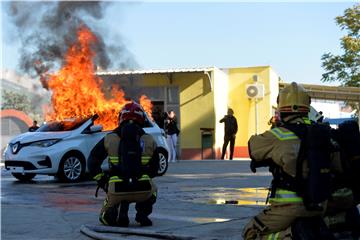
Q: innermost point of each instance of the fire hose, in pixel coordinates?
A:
(102, 233)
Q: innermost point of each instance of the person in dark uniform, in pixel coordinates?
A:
(231, 129)
(133, 162)
(34, 127)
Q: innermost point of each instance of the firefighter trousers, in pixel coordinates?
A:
(274, 222)
(116, 205)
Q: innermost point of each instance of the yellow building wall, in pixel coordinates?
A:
(154, 80)
(196, 106)
(204, 103)
(244, 108)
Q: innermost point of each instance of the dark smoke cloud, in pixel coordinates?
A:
(46, 29)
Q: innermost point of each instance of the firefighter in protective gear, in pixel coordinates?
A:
(283, 149)
(133, 161)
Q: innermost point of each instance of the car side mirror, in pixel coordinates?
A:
(96, 128)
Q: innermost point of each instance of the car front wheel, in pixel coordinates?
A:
(24, 177)
(71, 168)
(163, 162)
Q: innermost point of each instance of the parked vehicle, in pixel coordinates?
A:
(62, 149)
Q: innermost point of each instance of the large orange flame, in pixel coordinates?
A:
(76, 90)
(146, 103)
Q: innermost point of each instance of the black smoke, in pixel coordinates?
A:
(46, 29)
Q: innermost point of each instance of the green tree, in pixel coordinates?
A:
(345, 68)
(12, 100)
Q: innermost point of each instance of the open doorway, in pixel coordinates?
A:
(158, 113)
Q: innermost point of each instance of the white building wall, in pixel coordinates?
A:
(330, 109)
(221, 89)
(274, 88)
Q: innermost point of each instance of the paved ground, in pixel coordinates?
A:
(202, 199)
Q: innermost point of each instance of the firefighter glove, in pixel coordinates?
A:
(102, 181)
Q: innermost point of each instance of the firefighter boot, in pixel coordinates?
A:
(144, 209)
(123, 219)
(108, 216)
(143, 220)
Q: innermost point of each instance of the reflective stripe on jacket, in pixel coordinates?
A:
(115, 179)
(283, 134)
(278, 144)
(111, 143)
(273, 236)
(285, 196)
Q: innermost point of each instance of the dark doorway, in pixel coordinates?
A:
(158, 113)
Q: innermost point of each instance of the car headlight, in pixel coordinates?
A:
(6, 148)
(45, 143)
(3, 153)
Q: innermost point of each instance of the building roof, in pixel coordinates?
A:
(350, 94)
(153, 71)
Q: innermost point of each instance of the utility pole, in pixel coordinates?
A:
(255, 79)
(256, 116)
(255, 91)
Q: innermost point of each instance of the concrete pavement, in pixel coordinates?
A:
(212, 203)
(197, 199)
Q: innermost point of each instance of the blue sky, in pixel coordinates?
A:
(290, 37)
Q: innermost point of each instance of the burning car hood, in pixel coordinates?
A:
(38, 136)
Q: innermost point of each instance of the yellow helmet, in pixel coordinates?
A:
(294, 99)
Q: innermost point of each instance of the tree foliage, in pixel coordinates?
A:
(345, 68)
(12, 100)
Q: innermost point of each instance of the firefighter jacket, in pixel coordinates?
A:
(296, 170)
(278, 144)
(108, 148)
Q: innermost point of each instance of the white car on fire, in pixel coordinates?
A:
(62, 149)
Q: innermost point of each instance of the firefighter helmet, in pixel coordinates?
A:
(294, 99)
(132, 111)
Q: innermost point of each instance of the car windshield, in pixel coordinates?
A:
(65, 125)
(148, 122)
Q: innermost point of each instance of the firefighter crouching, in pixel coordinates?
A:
(132, 164)
(300, 185)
